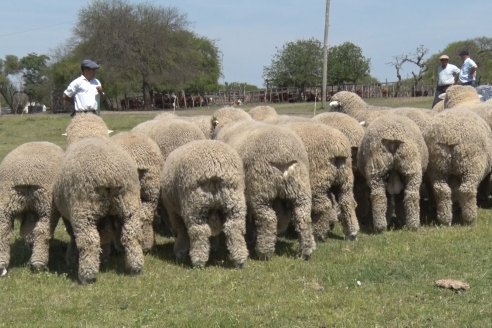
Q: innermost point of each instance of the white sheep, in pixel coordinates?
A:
(203, 192)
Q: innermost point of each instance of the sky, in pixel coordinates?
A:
(249, 33)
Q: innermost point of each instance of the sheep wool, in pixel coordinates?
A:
(203, 191)
(276, 169)
(85, 125)
(263, 113)
(27, 174)
(459, 159)
(331, 176)
(392, 158)
(149, 161)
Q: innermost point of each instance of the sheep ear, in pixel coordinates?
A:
(110, 131)
(334, 104)
(442, 96)
(363, 123)
(64, 134)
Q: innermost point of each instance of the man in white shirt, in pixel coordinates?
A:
(85, 91)
(468, 71)
(447, 75)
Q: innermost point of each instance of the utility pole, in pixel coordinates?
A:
(325, 55)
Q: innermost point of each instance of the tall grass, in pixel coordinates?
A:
(396, 271)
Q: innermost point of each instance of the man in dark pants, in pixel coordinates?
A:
(85, 91)
(447, 75)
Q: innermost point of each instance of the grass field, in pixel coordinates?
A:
(396, 271)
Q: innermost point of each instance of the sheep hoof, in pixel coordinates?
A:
(135, 271)
(264, 257)
(87, 280)
(240, 265)
(3, 272)
(352, 237)
(37, 267)
(306, 257)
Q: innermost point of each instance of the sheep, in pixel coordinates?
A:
(86, 125)
(99, 186)
(459, 158)
(466, 97)
(277, 178)
(354, 131)
(169, 134)
(203, 191)
(149, 161)
(392, 158)
(263, 113)
(26, 192)
(201, 121)
(353, 105)
(331, 176)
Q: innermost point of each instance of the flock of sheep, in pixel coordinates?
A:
(246, 176)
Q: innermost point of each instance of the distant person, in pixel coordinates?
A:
(468, 70)
(85, 91)
(447, 75)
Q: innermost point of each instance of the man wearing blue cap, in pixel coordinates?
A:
(85, 91)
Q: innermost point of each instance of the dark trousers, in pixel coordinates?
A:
(439, 89)
(472, 83)
(93, 111)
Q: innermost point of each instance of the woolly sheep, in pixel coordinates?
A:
(26, 192)
(392, 158)
(263, 113)
(459, 158)
(149, 161)
(203, 191)
(85, 125)
(99, 186)
(354, 131)
(353, 105)
(331, 177)
(169, 134)
(277, 178)
(202, 121)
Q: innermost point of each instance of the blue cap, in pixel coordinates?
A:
(87, 63)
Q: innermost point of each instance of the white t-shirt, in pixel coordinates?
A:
(466, 73)
(446, 75)
(84, 93)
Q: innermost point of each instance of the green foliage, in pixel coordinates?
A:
(33, 69)
(300, 64)
(297, 64)
(346, 64)
(146, 47)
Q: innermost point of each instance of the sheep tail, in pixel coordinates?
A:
(285, 168)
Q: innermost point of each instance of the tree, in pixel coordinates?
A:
(144, 43)
(33, 69)
(416, 59)
(298, 64)
(10, 93)
(346, 64)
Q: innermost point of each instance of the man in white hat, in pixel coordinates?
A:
(447, 75)
(85, 91)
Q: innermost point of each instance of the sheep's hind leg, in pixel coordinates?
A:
(302, 222)
(379, 204)
(234, 230)
(444, 203)
(5, 235)
(41, 240)
(130, 239)
(266, 231)
(88, 246)
(199, 244)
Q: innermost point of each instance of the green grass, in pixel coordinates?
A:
(397, 271)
